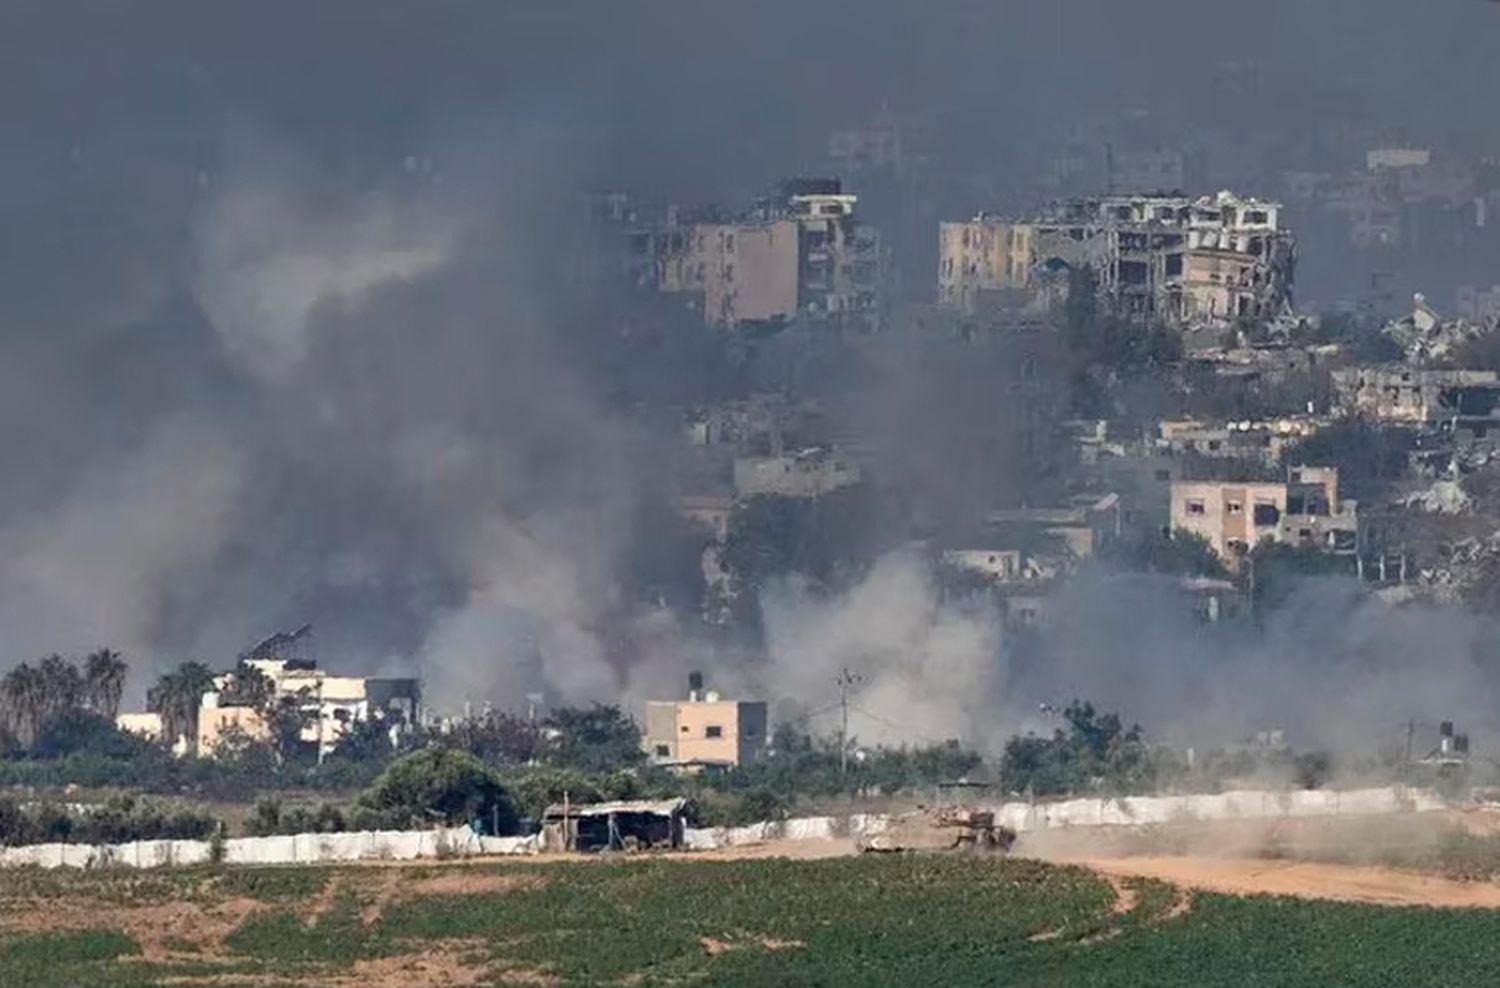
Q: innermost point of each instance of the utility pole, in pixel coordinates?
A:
(846, 680)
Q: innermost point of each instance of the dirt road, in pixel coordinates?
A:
(1347, 883)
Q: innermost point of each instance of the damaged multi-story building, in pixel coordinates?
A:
(1209, 261)
(1235, 517)
(799, 253)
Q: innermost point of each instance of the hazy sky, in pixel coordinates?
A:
(276, 330)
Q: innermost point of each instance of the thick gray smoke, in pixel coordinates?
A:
(1333, 667)
(284, 334)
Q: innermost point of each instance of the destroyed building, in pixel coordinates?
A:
(799, 253)
(1234, 517)
(1258, 441)
(810, 472)
(1209, 261)
(1397, 394)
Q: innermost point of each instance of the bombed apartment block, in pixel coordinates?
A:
(1235, 517)
(1210, 261)
(1396, 394)
(799, 253)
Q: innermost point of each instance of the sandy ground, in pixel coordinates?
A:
(1346, 883)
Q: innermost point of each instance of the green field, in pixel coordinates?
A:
(894, 921)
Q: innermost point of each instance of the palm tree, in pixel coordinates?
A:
(247, 686)
(177, 697)
(62, 688)
(24, 692)
(104, 681)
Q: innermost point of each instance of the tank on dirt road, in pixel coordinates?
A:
(946, 828)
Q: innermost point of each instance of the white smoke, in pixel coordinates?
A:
(928, 671)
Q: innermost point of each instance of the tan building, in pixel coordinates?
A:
(214, 722)
(983, 259)
(704, 729)
(1236, 517)
(800, 252)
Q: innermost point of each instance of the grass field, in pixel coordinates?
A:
(851, 921)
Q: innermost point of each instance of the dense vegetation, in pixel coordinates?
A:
(120, 819)
(869, 921)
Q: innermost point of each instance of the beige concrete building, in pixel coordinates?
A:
(144, 725)
(982, 260)
(1236, 517)
(799, 253)
(215, 722)
(705, 729)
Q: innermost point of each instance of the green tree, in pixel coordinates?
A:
(247, 686)
(62, 688)
(286, 716)
(441, 785)
(1369, 458)
(177, 696)
(594, 739)
(1096, 753)
(1170, 554)
(104, 673)
(24, 694)
(831, 540)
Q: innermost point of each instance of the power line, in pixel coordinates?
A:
(846, 680)
(900, 727)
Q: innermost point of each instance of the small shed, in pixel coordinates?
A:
(621, 825)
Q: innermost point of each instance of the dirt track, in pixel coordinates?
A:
(1347, 883)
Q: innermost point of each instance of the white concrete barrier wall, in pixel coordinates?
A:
(297, 849)
(390, 845)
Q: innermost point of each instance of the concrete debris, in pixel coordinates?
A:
(1425, 337)
(1445, 497)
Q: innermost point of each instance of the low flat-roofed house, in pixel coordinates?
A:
(705, 730)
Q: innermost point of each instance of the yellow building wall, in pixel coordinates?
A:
(213, 722)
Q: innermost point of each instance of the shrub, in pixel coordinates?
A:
(440, 785)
